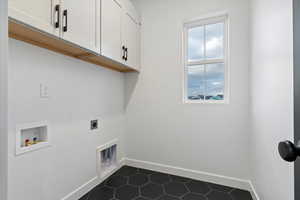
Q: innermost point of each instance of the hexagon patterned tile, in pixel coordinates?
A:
(131, 183)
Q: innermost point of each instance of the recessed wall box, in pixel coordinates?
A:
(31, 137)
(94, 125)
(107, 159)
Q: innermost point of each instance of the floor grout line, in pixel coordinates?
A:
(160, 190)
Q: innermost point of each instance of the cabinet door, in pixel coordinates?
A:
(131, 39)
(40, 14)
(79, 23)
(111, 43)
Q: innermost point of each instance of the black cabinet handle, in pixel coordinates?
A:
(57, 13)
(65, 14)
(123, 48)
(126, 54)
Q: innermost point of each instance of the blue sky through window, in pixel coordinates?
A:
(206, 81)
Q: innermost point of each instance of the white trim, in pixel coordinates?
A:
(21, 150)
(205, 62)
(220, 17)
(3, 99)
(83, 189)
(89, 185)
(221, 102)
(194, 174)
(207, 16)
(104, 174)
(107, 145)
(253, 192)
(198, 175)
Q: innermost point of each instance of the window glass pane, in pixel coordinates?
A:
(214, 41)
(196, 44)
(195, 82)
(214, 81)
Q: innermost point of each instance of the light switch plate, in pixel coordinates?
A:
(44, 91)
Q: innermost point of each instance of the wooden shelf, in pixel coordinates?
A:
(38, 38)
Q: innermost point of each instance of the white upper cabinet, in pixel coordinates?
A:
(111, 41)
(41, 14)
(131, 41)
(107, 27)
(120, 32)
(79, 23)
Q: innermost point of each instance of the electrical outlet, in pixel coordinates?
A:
(94, 124)
(44, 91)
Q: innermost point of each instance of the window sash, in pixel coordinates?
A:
(205, 92)
(206, 61)
(205, 21)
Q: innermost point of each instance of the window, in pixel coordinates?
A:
(205, 60)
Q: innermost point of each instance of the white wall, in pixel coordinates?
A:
(160, 128)
(3, 99)
(272, 96)
(78, 92)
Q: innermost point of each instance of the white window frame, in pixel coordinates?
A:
(201, 22)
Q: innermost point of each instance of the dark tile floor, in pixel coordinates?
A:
(139, 184)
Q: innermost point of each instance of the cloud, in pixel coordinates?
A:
(214, 42)
(206, 79)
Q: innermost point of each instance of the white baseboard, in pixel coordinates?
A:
(82, 190)
(253, 192)
(197, 175)
(86, 187)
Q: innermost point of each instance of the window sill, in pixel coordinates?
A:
(225, 102)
